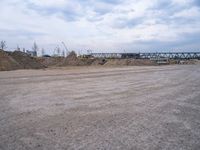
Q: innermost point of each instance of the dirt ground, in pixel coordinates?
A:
(140, 108)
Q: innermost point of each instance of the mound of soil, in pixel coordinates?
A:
(197, 62)
(25, 61)
(72, 60)
(7, 62)
(51, 61)
(99, 61)
(18, 60)
(116, 62)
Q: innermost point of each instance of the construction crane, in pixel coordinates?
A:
(67, 51)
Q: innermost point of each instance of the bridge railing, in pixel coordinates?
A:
(170, 55)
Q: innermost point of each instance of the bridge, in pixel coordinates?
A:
(169, 55)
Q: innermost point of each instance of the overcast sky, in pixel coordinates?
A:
(102, 25)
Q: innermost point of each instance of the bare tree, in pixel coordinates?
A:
(63, 53)
(18, 48)
(35, 47)
(43, 52)
(58, 51)
(3, 45)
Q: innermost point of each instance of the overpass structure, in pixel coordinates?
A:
(169, 55)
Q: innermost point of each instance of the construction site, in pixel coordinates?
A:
(100, 75)
(100, 101)
(22, 60)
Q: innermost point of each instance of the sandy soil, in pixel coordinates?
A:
(101, 108)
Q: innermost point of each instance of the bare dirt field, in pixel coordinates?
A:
(101, 108)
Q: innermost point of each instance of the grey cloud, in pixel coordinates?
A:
(162, 12)
(70, 14)
(67, 12)
(127, 22)
(189, 42)
(168, 8)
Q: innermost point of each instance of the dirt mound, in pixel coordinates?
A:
(197, 62)
(25, 61)
(116, 62)
(17, 60)
(51, 61)
(7, 62)
(73, 60)
(99, 61)
(70, 60)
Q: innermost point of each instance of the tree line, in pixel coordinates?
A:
(57, 51)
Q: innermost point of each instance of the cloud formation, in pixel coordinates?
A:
(102, 25)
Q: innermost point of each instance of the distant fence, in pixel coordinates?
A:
(170, 55)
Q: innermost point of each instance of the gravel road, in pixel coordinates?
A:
(140, 108)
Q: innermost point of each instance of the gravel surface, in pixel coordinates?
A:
(101, 108)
